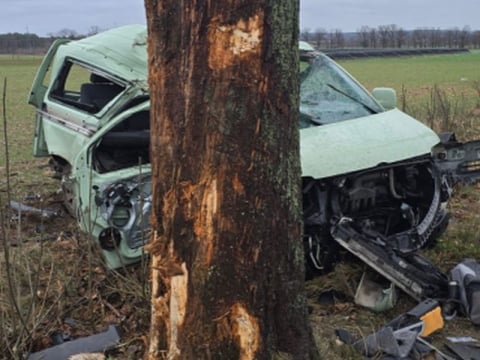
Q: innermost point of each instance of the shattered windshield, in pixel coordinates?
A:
(328, 95)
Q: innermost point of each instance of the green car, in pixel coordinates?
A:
(363, 161)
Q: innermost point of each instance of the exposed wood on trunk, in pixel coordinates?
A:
(227, 259)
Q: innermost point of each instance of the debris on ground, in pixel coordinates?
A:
(91, 344)
(27, 209)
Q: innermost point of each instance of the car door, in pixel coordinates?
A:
(37, 96)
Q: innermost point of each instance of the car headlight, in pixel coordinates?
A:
(120, 216)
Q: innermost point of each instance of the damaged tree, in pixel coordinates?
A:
(227, 259)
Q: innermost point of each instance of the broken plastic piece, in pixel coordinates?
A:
(461, 339)
(91, 344)
(22, 208)
(427, 313)
(411, 273)
(395, 343)
(374, 296)
(432, 321)
(464, 351)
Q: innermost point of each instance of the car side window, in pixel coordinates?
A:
(81, 87)
(125, 145)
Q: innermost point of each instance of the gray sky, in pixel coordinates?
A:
(350, 15)
(45, 17)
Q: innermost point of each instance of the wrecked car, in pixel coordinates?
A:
(92, 120)
(368, 170)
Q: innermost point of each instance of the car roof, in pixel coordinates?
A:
(305, 46)
(123, 51)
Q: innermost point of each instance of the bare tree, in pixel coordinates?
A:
(392, 30)
(476, 39)
(94, 29)
(464, 38)
(373, 38)
(227, 258)
(434, 37)
(450, 38)
(67, 33)
(319, 37)
(420, 38)
(401, 38)
(383, 35)
(336, 39)
(364, 36)
(306, 34)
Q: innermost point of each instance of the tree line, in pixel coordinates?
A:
(393, 36)
(383, 36)
(28, 43)
(16, 43)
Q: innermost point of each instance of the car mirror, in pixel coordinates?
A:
(387, 97)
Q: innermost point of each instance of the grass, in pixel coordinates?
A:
(451, 71)
(441, 90)
(19, 73)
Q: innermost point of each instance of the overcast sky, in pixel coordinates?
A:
(45, 17)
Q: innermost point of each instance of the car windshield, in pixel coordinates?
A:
(328, 94)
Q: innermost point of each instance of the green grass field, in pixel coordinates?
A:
(454, 71)
(18, 72)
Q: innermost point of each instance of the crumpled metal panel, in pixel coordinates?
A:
(363, 143)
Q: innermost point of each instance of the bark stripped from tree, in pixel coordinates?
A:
(227, 259)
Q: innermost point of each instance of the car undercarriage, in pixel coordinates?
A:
(400, 205)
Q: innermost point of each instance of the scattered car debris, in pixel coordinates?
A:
(466, 281)
(27, 209)
(464, 351)
(32, 197)
(461, 339)
(91, 344)
(374, 295)
(403, 336)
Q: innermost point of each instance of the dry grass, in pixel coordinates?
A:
(60, 287)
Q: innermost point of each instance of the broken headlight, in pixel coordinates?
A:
(126, 206)
(120, 216)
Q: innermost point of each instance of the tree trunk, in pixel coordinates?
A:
(227, 257)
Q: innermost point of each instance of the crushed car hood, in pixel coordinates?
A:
(363, 143)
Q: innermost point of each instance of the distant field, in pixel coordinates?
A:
(456, 70)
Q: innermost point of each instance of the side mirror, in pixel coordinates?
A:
(387, 97)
